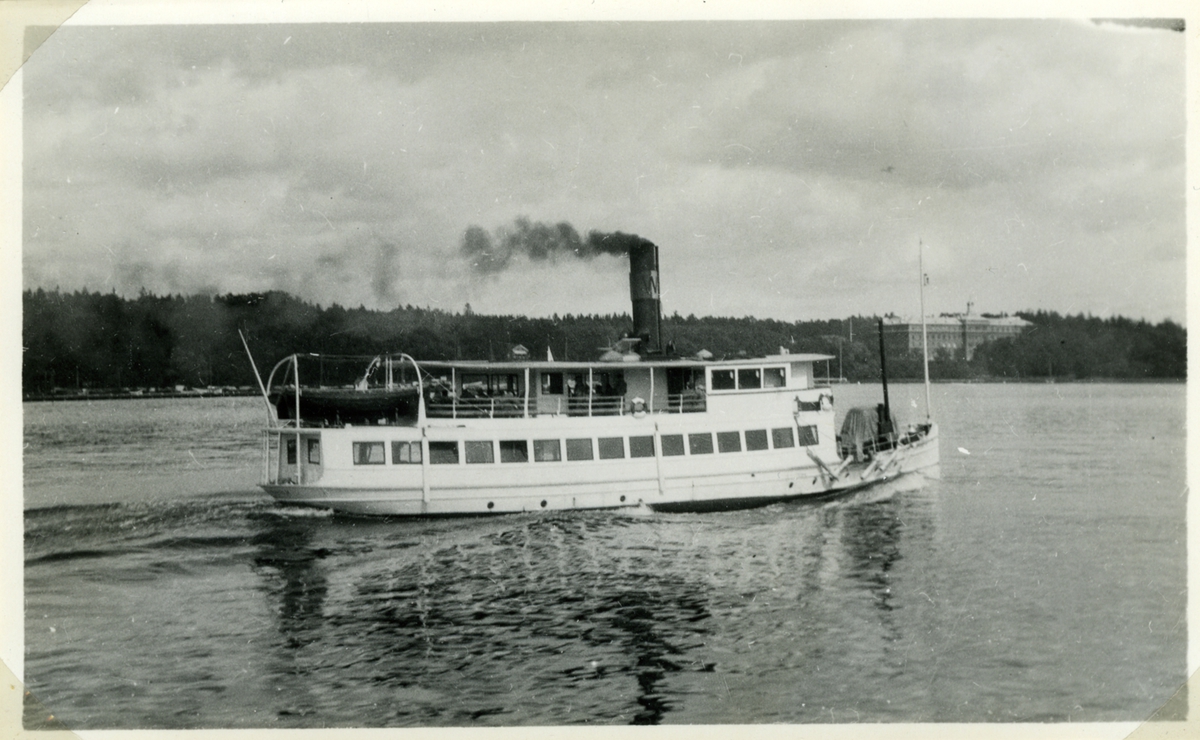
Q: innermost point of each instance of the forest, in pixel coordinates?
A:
(84, 340)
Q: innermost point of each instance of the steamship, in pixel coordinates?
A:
(637, 427)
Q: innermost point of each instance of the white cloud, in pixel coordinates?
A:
(346, 164)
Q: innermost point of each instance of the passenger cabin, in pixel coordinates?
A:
(525, 389)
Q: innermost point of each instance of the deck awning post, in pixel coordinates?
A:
(526, 393)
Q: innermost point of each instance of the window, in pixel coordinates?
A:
(672, 444)
(782, 438)
(407, 453)
(483, 386)
(756, 439)
(749, 377)
(479, 452)
(547, 450)
(774, 377)
(641, 446)
(552, 383)
(443, 453)
(314, 451)
(516, 450)
(808, 436)
(729, 442)
(682, 379)
(801, 374)
(474, 386)
(579, 449)
(700, 444)
(291, 452)
(722, 380)
(368, 453)
(611, 447)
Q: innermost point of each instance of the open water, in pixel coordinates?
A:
(1042, 579)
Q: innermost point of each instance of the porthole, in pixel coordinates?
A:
(543, 503)
(491, 504)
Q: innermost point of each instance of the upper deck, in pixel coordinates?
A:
(530, 388)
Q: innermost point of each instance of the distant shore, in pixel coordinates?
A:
(110, 394)
(105, 394)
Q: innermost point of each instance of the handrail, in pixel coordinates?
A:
(517, 407)
(475, 408)
(686, 403)
(594, 405)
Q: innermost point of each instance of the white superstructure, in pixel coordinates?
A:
(671, 434)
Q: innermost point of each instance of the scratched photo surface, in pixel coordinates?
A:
(787, 170)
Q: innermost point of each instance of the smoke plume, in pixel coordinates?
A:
(539, 242)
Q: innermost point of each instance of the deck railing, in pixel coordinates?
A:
(691, 402)
(479, 408)
(596, 406)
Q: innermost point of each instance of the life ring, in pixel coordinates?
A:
(638, 407)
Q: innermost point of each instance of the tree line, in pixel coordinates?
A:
(82, 339)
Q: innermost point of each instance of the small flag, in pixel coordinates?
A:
(549, 355)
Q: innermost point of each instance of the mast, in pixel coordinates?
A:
(924, 332)
(885, 417)
(257, 377)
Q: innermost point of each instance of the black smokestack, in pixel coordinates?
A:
(643, 291)
(490, 254)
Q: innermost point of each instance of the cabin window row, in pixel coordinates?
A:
(586, 448)
(748, 378)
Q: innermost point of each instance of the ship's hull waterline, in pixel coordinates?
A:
(617, 484)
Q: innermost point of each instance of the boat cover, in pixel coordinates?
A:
(339, 406)
(860, 431)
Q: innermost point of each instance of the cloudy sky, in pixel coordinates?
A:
(786, 169)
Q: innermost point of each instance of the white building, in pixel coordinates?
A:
(958, 335)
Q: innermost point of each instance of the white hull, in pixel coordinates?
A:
(686, 483)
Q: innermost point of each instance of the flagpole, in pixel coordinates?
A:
(924, 331)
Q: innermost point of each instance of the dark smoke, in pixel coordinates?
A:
(493, 253)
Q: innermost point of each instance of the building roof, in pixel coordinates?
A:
(956, 320)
